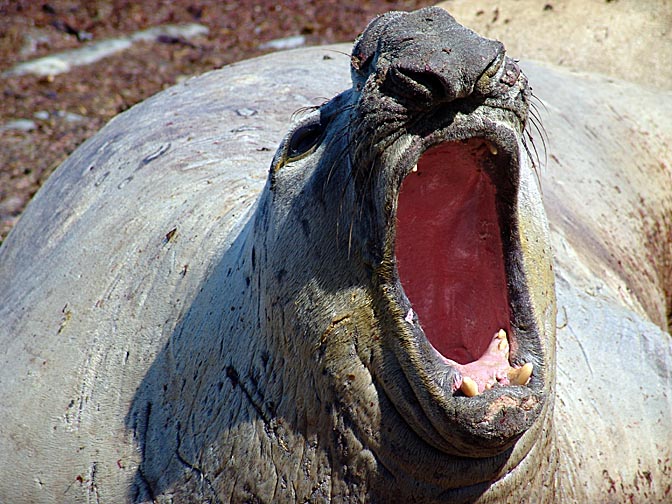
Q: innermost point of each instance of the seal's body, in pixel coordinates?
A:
(181, 324)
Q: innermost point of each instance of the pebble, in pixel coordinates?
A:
(11, 206)
(19, 125)
(70, 117)
(284, 43)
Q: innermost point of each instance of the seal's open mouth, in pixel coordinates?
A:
(451, 263)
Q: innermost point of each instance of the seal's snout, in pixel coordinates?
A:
(423, 57)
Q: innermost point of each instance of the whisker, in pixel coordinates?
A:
(530, 157)
(542, 135)
(349, 55)
(302, 111)
(536, 122)
(535, 99)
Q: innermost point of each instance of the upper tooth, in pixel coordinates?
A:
(415, 168)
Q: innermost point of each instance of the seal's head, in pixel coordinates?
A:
(418, 288)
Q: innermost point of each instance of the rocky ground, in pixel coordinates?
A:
(43, 118)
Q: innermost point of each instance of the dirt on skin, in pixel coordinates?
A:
(66, 109)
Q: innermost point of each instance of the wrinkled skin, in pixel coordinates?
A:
(181, 328)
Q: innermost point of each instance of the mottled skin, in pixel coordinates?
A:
(168, 338)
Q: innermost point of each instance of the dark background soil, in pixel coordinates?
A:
(30, 29)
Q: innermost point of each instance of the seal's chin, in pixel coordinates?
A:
(451, 262)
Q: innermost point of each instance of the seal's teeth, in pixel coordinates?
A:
(521, 375)
(501, 334)
(491, 148)
(503, 345)
(415, 168)
(469, 387)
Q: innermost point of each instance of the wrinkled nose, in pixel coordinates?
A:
(423, 57)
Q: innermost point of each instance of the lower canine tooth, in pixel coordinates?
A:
(521, 375)
(501, 334)
(469, 387)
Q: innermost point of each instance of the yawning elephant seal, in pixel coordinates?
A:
(375, 319)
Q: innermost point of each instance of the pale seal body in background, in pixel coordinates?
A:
(170, 333)
(613, 38)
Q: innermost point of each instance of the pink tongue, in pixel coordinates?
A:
(449, 251)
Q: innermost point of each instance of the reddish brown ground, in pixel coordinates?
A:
(31, 28)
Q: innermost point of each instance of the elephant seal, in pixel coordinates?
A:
(179, 326)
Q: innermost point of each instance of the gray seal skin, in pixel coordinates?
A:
(180, 327)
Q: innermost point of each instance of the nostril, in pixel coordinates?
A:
(425, 86)
(430, 81)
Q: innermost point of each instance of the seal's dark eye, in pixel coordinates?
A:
(300, 142)
(303, 139)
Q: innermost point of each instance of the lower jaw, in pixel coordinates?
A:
(422, 387)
